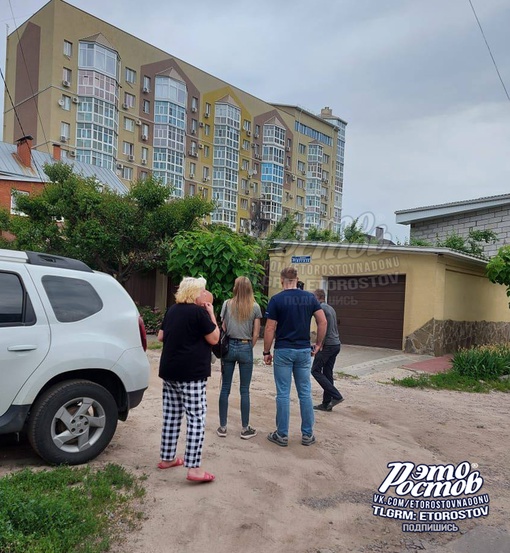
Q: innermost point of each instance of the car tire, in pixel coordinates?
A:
(72, 422)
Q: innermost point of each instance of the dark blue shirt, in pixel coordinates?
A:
(292, 310)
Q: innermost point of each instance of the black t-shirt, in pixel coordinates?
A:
(186, 355)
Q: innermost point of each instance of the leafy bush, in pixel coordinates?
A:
(483, 362)
(152, 318)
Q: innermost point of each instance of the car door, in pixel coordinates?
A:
(24, 332)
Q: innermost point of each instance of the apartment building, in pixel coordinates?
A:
(115, 101)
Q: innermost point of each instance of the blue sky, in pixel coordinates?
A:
(428, 118)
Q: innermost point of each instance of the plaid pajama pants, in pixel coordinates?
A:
(180, 398)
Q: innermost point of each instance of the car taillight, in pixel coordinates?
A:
(143, 334)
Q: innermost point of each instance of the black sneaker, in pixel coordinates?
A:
(321, 407)
(334, 402)
(274, 437)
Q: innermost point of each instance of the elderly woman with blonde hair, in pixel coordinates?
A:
(188, 331)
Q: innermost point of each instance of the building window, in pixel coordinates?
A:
(130, 75)
(66, 102)
(194, 104)
(206, 151)
(246, 144)
(244, 203)
(302, 148)
(205, 173)
(14, 196)
(300, 201)
(129, 124)
(65, 131)
(247, 125)
(245, 164)
(207, 130)
(146, 83)
(129, 100)
(145, 154)
(192, 169)
(257, 131)
(68, 48)
(145, 131)
(194, 126)
(300, 183)
(325, 159)
(301, 166)
(192, 189)
(146, 106)
(98, 57)
(143, 175)
(127, 173)
(128, 148)
(207, 112)
(67, 76)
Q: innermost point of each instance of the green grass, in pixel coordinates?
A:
(341, 374)
(66, 509)
(477, 370)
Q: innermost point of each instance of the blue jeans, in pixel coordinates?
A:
(243, 355)
(289, 362)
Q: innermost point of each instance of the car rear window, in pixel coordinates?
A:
(15, 305)
(72, 299)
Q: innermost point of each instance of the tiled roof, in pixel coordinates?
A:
(12, 169)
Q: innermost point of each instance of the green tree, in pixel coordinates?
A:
(287, 228)
(354, 234)
(220, 256)
(117, 234)
(472, 244)
(316, 234)
(498, 268)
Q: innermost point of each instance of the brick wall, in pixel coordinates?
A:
(496, 219)
(7, 186)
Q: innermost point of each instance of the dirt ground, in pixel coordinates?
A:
(314, 499)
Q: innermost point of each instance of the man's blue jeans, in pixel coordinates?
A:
(287, 363)
(243, 355)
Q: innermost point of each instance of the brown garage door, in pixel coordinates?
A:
(370, 309)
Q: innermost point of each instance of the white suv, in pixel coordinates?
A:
(72, 355)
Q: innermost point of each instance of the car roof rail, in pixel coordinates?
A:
(50, 260)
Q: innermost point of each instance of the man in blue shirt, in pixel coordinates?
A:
(289, 314)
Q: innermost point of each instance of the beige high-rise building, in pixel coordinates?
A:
(113, 100)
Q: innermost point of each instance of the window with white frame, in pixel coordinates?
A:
(146, 106)
(207, 130)
(65, 130)
(205, 173)
(96, 56)
(128, 148)
(246, 144)
(14, 197)
(129, 100)
(127, 173)
(245, 164)
(207, 109)
(146, 83)
(145, 131)
(244, 203)
(194, 104)
(206, 151)
(192, 189)
(68, 48)
(66, 102)
(145, 153)
(129, 124)
(130, 75)
(67, 75)
(192, 169)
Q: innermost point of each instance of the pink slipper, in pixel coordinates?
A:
(207, 477)
(177, 462)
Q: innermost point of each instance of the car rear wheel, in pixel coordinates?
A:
(72, 422)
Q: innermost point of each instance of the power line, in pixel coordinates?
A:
(490, 52)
